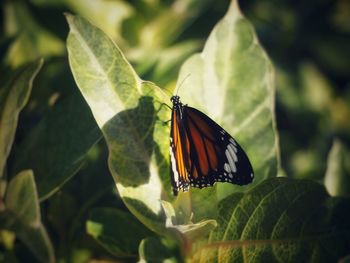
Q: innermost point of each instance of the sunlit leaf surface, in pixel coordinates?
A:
(130, 116)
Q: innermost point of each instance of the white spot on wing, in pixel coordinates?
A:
(231, 161)
(232, 152)
(227, 167)
(233, 142)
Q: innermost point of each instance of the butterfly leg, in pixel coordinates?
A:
(160, 108)
(166, 122)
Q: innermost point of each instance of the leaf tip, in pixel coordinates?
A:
(234, 9)
(40, 62)
(69, 17)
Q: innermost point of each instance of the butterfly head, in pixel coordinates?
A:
(175, 100)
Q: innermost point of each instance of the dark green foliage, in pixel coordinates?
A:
(84, 143)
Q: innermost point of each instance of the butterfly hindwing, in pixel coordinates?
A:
(203, 153)
(226, 160)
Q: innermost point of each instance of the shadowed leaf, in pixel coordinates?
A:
(13, 97)
(153, 249)
(119, 232)
(22, 216)
(56, 148)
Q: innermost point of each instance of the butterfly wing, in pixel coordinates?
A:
(179, 153)
(204, 153)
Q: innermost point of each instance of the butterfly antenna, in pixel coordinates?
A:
(177, 91)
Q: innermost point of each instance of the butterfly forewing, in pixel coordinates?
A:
(203, 153)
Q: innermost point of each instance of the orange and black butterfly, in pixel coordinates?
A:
(202, 152)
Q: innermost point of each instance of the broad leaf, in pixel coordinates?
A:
(280, 220)
(56, 148)
(337, 178)
(232, 81)
(13, 97)
(22, 216)
(125, 109)
(117, 231)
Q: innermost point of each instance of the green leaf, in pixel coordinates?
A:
(170, 59)
(189, 230)
(13, 97)
(22, 215)
(337, 178)
(158, 250)
(125, 109)
(107, 15)
(117, 231)
(170, 22)
(56, 148)
(232, 81)
(21, 198)
(33, 41)
(280, 220)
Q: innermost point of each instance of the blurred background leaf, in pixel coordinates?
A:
(158, 250)
(57, 147)
(22, 216)
(337, 178)
(119, 232)
(32, 40)
(14, 95)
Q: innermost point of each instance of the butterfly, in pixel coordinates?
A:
(202, 152)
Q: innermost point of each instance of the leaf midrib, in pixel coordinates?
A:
(95, 60)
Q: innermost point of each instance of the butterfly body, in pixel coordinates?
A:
(202, 152)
